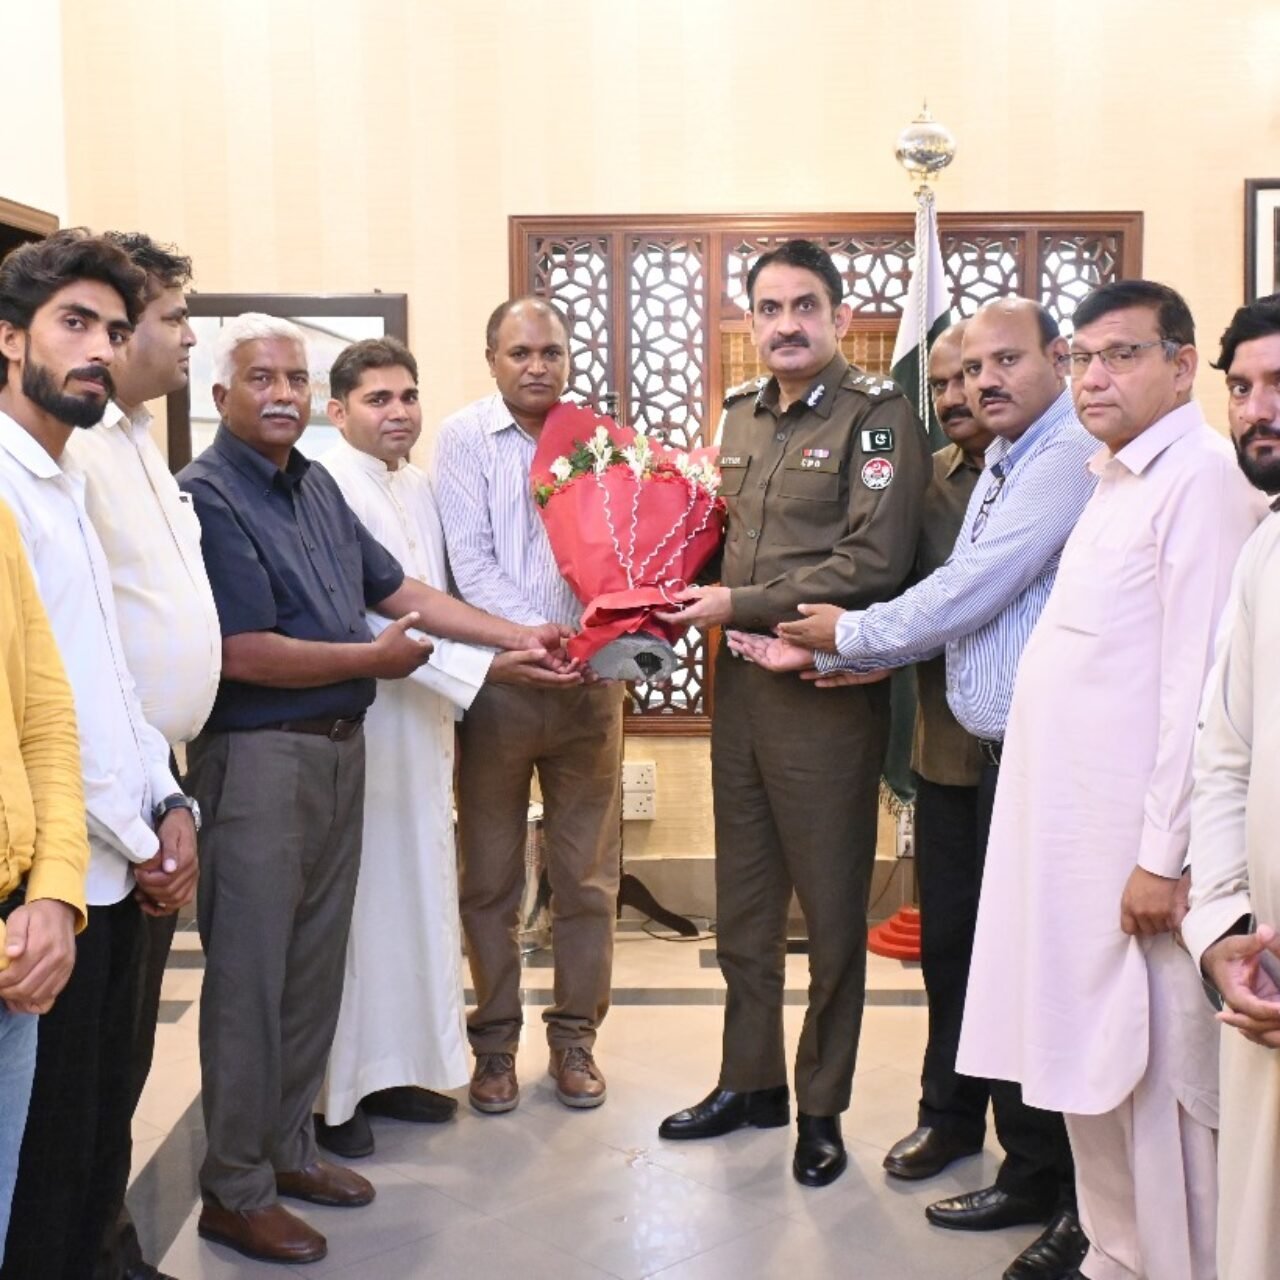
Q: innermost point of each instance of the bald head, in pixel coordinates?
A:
(529, 305)
(527, 349)
(1009, 354)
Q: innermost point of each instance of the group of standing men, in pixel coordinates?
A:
(1070, 553)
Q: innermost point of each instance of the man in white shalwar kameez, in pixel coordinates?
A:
(1077, 990)
(1235, 814)
(401, 1034)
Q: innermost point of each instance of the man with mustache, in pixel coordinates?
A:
(168, 621)
(1231, 927)
(979, 608)
(501, 560)
(279, 770)
(68, 305)
(824, 473)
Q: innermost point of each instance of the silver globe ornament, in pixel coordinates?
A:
(925, 147)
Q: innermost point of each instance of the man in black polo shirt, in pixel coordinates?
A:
(279, 773)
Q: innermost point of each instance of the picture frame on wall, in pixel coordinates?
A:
(1261, 237)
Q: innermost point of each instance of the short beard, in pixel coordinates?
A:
(1262, 475)
(71, 411)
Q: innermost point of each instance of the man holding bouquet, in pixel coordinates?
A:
(502, 561)
(824, 471)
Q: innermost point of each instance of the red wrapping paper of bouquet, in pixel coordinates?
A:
(577, 519)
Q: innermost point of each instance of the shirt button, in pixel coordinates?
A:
(780, 437)
(753, 533)
(332, 587)
(764, 484)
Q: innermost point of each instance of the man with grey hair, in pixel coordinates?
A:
(279, 769)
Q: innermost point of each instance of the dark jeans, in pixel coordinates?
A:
(952, 825)
(81, 1108)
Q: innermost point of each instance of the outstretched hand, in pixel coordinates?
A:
(816, 629)
(770, 652)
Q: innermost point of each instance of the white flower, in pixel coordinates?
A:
(562, 469)
(634, 460)
(683, 465)
(601, 440)
(600, 447)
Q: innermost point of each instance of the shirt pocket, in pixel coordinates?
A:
(1084, 593)
(810, 477)
(733, 474)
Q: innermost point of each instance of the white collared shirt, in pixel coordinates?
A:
(499, 553)
(125, 760)
(151, 536)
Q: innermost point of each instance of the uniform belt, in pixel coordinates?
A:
(336, 730)
(992, 749)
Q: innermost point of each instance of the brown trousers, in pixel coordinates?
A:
(795, 774)
(279, 857)
(573, 737)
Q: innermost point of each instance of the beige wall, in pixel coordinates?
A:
(35, 155)
(320, 145)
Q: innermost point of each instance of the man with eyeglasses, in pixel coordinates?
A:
(979, 609)
(1077, 989)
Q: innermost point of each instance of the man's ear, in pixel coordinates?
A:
(13, 341)
(219, 397)
(337, 413)
(844, 318)
(491, 360)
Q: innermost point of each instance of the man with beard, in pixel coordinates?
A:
(168, 621)
(824, 471)
(1235, 871)
(67, 306)
(980, 608)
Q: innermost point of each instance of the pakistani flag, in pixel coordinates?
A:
(928, 301)
(926, 313)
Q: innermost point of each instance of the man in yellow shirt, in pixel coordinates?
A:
(44, 848)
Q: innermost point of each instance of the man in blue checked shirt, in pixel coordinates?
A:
(979, 608)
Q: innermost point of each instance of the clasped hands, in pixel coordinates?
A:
(1245, 968)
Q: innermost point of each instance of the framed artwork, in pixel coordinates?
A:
(329, 322)
(1261, 237)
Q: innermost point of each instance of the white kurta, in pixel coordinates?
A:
(1235, 871)
(402, 1017)
(1096, 779)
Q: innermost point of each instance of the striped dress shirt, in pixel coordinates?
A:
(499, 555)
(980, 607)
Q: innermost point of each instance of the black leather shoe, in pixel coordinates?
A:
(986, 1210)
(408, 1102)
(723, 1110)
(1055, 1254)
(820, 1154)
(350, 1140)
(926, 1151)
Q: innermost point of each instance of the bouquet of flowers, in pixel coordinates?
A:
(631, 522)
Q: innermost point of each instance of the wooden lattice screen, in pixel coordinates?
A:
(657, 310)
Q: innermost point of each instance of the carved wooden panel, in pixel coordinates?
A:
(685, 698)
(573, 271)
(981, 267)
(1072, 264)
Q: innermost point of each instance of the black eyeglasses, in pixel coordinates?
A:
(988, 501)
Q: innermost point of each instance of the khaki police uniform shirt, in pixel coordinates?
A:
(943, 753)
(824, 500)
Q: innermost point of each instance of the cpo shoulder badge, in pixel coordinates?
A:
(749, 388)
(877, 473)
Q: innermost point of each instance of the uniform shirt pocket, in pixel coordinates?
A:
(733, 473)
(812, 475)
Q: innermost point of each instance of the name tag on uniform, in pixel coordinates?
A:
(877, 440)
(732, 460)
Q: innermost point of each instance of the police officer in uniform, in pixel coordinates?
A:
(824, 474)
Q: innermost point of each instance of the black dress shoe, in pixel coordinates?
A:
(408, 1102)
(820, 1154)
(926, 1151)
(723, 1110)
(350, 1140)
(1055, 1254)
(986, 1210)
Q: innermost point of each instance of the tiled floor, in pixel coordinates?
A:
(545, 1192)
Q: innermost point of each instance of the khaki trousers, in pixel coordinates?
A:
(795, 774)
(279, 857)
(573, 737)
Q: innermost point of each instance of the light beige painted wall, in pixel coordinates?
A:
(34, 170)
(334, 145)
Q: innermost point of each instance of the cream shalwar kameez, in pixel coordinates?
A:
(1111, 1030)
(402, 1017)
(1235, 872)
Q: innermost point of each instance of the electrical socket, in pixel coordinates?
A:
(639, 806)
(639, 775)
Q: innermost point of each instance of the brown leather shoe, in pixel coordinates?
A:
(270, 1234)
(324, 1183)
(579, 1082)
(494, 1087)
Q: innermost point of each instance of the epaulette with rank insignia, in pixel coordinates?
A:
(749, 388)
(870, 385)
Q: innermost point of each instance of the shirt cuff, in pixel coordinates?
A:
(1162, 853)
(748, 609)
(456, 671)
(827, 662)
(1205, 924)
(59, 883)
(849, 633)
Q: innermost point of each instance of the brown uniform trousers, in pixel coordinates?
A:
(825, 503)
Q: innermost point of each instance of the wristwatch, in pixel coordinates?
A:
(176, 801)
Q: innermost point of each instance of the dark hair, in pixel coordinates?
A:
(370, 353)
(1173, 316)
(1048, 325)
(799, 253)
(1257, 319)
(32, 273)
(504, 309)
(166, 268)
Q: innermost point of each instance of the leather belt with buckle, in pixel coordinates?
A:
(992, 749)
(336, 730)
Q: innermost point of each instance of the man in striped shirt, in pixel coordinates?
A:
(979, 609)
(501, 561)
